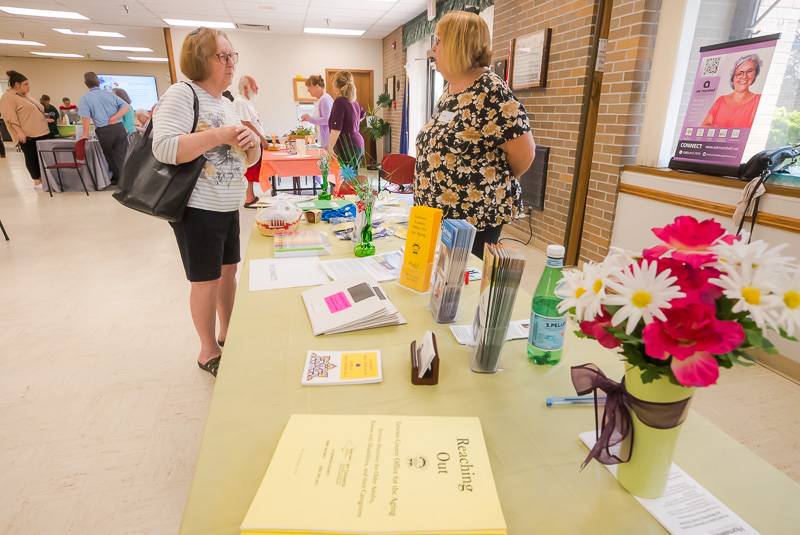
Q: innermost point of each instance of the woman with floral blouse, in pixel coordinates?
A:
(479, 141)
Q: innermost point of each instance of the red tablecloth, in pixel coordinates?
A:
(281, 163)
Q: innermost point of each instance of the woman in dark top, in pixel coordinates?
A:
(345, 140)
(478, 142)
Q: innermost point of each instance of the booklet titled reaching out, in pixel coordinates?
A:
(374, 474)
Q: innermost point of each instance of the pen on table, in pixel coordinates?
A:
(573, 400)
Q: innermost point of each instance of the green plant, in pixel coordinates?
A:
(376, 126)
(785, 128)
(384, 101)
(302, 131)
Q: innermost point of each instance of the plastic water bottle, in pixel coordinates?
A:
(546, 335)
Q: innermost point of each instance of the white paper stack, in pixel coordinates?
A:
(381, 267)
(457, 237)
(349, 305)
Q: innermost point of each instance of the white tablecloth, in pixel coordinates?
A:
(95, 160)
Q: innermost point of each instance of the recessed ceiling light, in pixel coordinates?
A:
(333, 31)
(57, 54)
(146, 58)
(199, 23)
(126, 48)
(20, 42)
(43, 13)
(90, 33)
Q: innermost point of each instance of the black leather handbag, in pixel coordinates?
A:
(155, 188)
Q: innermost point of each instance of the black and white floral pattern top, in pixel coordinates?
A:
(460, 165)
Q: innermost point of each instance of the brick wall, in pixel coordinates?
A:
(554, 111)
(394, 60)
(622, 98)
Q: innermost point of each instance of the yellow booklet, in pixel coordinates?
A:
(424, 223)
(387, 475)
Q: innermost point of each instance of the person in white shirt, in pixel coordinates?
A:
(248, 90)
(208, 234)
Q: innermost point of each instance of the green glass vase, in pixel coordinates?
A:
(645, 475)
(362, 232)
(324, 194)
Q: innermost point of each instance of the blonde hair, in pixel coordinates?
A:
(197, 48)
(246, 83)
(345, 84)
(465, 39)
(315, 79)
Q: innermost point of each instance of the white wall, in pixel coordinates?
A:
(274, 60)
(635, 217)
(64, 77)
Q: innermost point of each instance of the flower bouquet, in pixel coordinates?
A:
(676, 313)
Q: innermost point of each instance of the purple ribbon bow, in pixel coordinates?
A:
(617, 427)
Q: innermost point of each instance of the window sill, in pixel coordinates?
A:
(664, 172)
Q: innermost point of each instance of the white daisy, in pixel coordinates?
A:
(571, 288)
(788, 309)
(596, 277)
(754, 291)
(756, 254)
(641, 293)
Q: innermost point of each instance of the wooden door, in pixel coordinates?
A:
(365, 95)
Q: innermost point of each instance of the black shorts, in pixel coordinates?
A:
(207, 240)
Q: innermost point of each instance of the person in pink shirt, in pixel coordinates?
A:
(738, 108)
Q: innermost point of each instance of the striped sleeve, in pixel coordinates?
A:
(173, 117)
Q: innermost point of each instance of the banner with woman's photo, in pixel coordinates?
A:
(725, 97)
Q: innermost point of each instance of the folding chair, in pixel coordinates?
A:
(398, 169)
(78, 161)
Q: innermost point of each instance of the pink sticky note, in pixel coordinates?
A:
(337, 302)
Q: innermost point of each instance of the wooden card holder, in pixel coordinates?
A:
(431, 377)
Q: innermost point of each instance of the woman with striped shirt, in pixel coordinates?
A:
(208, 234)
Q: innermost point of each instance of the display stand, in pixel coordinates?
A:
(431, 377)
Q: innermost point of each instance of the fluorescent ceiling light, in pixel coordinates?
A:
(43, 13)
(146, 58)
(126, 48)
(19, 42)
(57, 54)
(199, 23)
(333, 31)
(90, 33)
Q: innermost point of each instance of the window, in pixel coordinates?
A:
(777, 120)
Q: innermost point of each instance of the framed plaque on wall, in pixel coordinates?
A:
(529, 58)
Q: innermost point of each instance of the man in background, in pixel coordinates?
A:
(105, 109)
(51, 113)
(69, 109)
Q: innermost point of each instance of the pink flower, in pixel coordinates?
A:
(597, 329)
(693, 281)
(687, 234)
(699, 369)
(689, 330)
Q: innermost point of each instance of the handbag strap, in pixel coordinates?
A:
(195, 107)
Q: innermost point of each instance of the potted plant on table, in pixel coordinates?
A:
(350, 160)
(676, 313)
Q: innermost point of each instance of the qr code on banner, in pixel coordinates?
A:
(711, 66)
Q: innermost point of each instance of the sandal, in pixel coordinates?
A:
(251, 203)
(211, 366)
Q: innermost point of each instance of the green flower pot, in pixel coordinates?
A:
(645, 475)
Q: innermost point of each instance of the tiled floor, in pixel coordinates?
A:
(101, 405)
